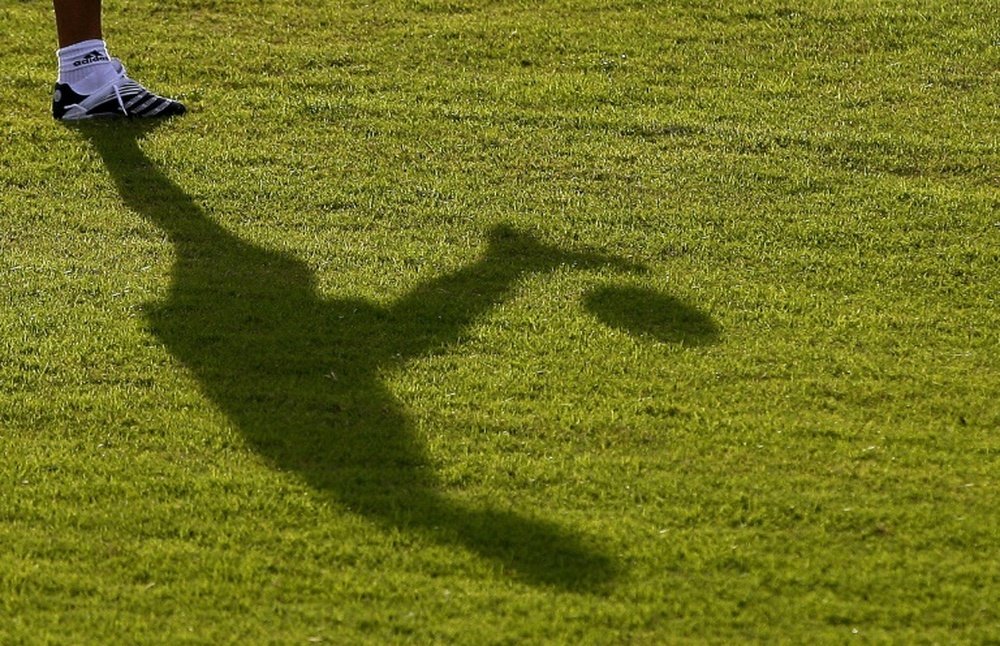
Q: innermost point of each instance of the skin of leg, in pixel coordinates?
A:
(77, 20)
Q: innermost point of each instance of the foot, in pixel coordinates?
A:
(122, 97)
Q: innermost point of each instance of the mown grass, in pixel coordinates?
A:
(501, 322)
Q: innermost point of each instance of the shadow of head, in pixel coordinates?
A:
(647, 313)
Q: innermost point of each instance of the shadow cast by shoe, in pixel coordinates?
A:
(299, 375)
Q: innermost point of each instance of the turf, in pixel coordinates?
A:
(497, 322)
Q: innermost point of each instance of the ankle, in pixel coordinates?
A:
(85, 66)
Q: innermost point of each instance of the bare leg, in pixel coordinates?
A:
(77, 20)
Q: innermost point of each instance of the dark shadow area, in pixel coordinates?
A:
(299, 374)
(647, 313)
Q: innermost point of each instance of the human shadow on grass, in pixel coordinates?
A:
(300, 375)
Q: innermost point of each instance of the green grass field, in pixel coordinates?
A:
(501, 322)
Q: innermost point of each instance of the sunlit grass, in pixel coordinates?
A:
(495, 322)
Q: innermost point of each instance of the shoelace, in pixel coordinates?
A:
(118, 94)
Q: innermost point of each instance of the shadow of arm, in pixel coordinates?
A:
(437, 312)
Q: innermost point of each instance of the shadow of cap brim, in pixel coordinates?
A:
(647, 313)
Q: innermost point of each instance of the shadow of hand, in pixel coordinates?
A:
(507, 242)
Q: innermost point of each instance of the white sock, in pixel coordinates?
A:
(86, 66)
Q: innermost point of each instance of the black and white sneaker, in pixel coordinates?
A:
(123, 97)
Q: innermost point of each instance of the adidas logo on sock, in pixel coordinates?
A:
(93, 57)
